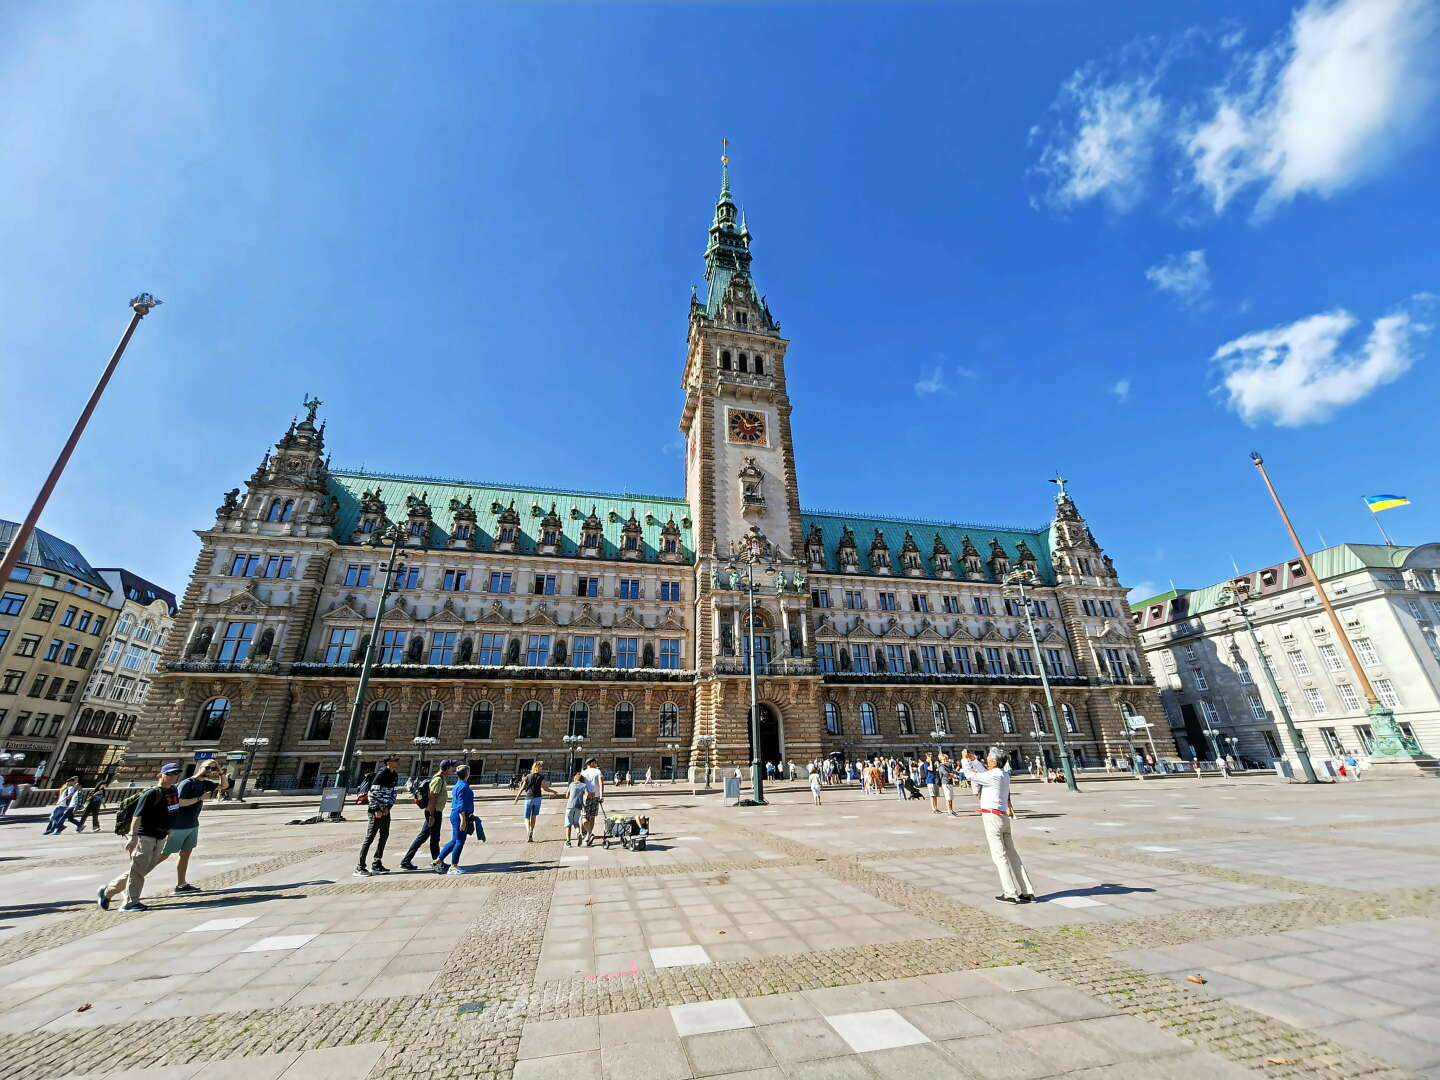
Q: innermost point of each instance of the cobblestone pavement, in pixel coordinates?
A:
(852, 939)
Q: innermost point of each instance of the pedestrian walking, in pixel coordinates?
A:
(430, 797)
(1353, 764)
(64, 808)
(649, 776)
(7, 795)
(932, 782)
(145, 832)
(184, 832)
(379, 806)
(594, 798)
(90, 806)
(995, 813)
(575, 809)
(815, 785)
(462, 821)
(947, 783)
(532, 790)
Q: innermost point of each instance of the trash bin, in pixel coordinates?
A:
(732, 789)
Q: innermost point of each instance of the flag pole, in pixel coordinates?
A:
(1376, 518)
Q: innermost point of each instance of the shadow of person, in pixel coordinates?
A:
(1107, 889)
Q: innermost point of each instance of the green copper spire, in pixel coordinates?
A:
(727, 256)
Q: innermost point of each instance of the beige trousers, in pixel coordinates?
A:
(1013, 879)
(147, 855)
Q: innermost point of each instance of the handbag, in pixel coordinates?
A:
(476, 829)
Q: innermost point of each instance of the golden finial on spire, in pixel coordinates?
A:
(724, 151)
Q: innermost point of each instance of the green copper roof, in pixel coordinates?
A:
(831, 526)
(728, 252)
(1162, 598)
(531, 503)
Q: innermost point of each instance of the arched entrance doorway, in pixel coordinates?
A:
(772, 737)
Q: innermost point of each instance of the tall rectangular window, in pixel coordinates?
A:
(67, 618)
(582, 652)
(860, 659)
(670, 654)
(408, 577)
(442, 646)
(357, 575)
(1298, 662)
(392, 646)
(820, 597)
(929, 659)
(1055, 661)
(500, 581)
(38, 686)
(1040, 608)
(627, 652)
(30, 642)
(135, 657)
(1190, 654)
(1257, 707)
(10, 682)
(4, 636)
(950, 605)
(982, 605)
(825, 655)
(52, 651)
(887, 601)
(1025, 659)
(1107, 608)
(670, 591)
(629, 588)
(587, 586)
(279, 566)
(544, 585)
(84, 623)
(1315, 700)
(492, 649)
(338, 648)
(12, 603)
(1348, 697)
(235, 644)
(960, 655)
(1385, 691)
(895, 658)
(993, 663)
(854, 599)
(537, 650)
(455, 580)
(244, 565)
(1330, 657)
(919, 602)
(1365, 649)
(1088, 606)
(1197, 677)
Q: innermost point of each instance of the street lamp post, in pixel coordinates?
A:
(1234, 744)
(573, 743)
(1214, 737)
(704, 742)
(749, 557)
(935, 737)
(252, 744)
(394, 536)
(1039, 737)
(1016, 580)
(422, 744)
(674, 749)
(1389, 741)
(1237, 592)
(140, 306)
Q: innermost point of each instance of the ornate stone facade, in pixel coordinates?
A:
(523, 615)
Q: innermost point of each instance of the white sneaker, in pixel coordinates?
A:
(454, 870)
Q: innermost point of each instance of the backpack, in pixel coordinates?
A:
(125, 812)
(420, 791)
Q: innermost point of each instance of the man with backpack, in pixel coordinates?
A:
(380, 799)
(430, 796)
(144, 821)
(185, 822)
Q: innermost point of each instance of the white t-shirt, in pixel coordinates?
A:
(593, 779)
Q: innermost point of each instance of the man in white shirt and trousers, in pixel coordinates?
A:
(993, 782)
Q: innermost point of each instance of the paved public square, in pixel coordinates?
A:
(1182, 929)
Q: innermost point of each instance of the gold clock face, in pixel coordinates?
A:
(746, 427)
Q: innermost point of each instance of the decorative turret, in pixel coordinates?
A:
(911, 561)
(417, 520)
(371, 522)
(971, 558)
(879, 554)
(287, 492)
(752, 490)
(507, 529)
(999, 561)
(815, 549)
(1026, 558)
(670, 541)
(1077, 557)
(631, 535)
(940, 557)
(590, 536)
(462, 528)
(550, 533)
(845, 552)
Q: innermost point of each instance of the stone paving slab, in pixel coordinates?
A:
(1335, 863)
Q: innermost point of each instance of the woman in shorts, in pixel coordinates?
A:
(532, 790)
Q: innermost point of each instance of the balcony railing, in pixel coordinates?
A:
(947, 677)
(1123, 678)
(496, 671)
(786, 665)
(260, 667)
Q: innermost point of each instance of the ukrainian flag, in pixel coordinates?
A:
(1376, 503)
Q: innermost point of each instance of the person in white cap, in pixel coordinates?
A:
(994, 784)
(145, 834)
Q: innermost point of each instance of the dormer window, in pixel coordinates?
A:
(632, 543)
(368, 525)
(550, 536)
(1297, 569)
(670, 545)
(462, 532)
(507, 534)
(592, 540)
(416, 528)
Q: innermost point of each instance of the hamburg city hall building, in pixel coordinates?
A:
(522, 615)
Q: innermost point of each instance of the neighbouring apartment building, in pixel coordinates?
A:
(54, 612)
(1210, 674)
(526, 614)
(144, 614)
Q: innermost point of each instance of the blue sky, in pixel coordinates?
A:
(1004, 238)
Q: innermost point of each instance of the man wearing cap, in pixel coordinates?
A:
(432, 800)
(379, 804)
(145, 844)
(185, 822)
(994, 784)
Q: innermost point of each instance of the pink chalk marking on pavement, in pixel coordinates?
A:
(611, 974)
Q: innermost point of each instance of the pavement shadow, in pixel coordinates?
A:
(1097, 890)
(25, 911)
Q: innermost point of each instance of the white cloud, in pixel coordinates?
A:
(934, 383)
(1323, 107)
(1298, 374)
(967, 372)
(1143, 591)
(1185, 275)
(1325, 104)
(1121, 390)
(1106, 152)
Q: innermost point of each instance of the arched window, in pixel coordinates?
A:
(759, 365)
(368, 525)
(903, 720)
(624, 720)
(276, 507)
(430, 717)
(482, 714)
(867, 719)
(669, 720)
(322, 720)
(1127, 710)
(1067, 714)
(530, 720)
(942, 719)
(288, 511)
(1037, 717)
(744, 363)
(1007, 720)
(973, 723)
(211, 720)
(377, 721)
(832, 718)
(579, 719)
(725, 360)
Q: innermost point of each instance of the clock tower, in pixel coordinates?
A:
(740, 483)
